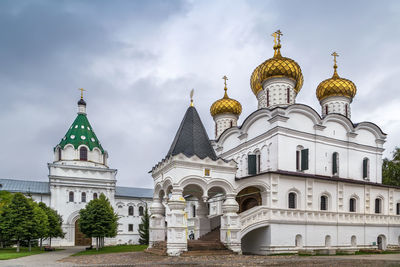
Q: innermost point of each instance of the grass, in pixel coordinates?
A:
(112, 249)
(10, 253)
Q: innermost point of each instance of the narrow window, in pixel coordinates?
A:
(398, 208)
(216, 131)
(94, 195)
(130, 210)
(83, 197)
(304, 159)
(141, 211)
(292, 200)
(345, 107)
(231, 124)
(194, 211)
(324, 202)
(130, 227)
(378, 208)
(252, 164)
(352, 205)
(71, 196)
(258, 163)
(267, 98)
(298, 160)
(59, 153)
(326, 109)
(365, 168)
(288, 95)
(335, 163)
(83, 153)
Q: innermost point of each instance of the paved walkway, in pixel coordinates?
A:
(46, 259)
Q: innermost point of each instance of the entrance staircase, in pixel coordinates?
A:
(206, 245)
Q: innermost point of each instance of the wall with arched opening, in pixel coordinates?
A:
(253, 241)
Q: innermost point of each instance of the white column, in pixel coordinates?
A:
(202, 214)
(177, 224)
(230, 224)
(157, 222)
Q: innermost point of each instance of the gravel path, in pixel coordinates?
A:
(145, 259)
(43, 260)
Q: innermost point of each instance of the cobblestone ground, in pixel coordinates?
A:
(145, 259)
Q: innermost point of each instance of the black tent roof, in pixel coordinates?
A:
(191, 138)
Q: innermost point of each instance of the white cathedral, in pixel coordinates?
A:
(288, 179)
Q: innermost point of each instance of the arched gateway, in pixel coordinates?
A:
(80, 238)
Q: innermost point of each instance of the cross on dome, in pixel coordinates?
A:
(191, 98)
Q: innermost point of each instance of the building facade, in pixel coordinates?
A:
(287, 179)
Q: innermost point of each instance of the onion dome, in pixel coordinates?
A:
(277, 66)
(226, 104)
(336, 86)
(81, 132)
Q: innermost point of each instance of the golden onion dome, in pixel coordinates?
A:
(277, 66)
(226, 105)
(336, 86)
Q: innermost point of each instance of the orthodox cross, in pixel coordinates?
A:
(191, 97)
(334, 54)
(277, 35)
(225, 78)
(81, 89)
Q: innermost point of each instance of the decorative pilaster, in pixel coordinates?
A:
(157, 222)
(230, 224)
(177, 224)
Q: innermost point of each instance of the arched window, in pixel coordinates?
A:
(335, 163)
(326, 109)
(83, 197)
(327, 241)
(267, 98)
(398, 208)
(258, 162)
(252, 164)
(346, 110)
(288, 95)
(299, 241)
(130, 210)
(59, 153)
(141, 211)
(301, 158)
(292, 200)
(353, 241)
(71, 196)
(94, 195)
(231, 124)
(193, 211)
(324, 202)
(83, 153)
(365, 168)
(378, 205)
(352, 205)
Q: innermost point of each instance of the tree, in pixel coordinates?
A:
(391, 169)
(98, 220)
(5, 199)
(18, 218)
(40, 224)
(54, 221)
(144, 228)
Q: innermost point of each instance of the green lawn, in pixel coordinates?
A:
(112, 249)
(10, 253)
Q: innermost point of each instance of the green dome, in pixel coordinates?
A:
(81, 133)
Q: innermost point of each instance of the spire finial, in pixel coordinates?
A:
(225, 88)
(191, 97)
(277, 42)
(81, 89)
(334, 54)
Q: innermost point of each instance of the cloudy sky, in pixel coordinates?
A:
(138, 61)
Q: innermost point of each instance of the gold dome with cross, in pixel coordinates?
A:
(226, 104)
(277, 66)
(336, 86)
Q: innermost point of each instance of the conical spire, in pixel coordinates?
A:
(191, 138)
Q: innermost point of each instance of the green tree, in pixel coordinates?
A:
(18, 218)
(98, 220)
(40, 225)
(5, 199)
(144, 229)
(55, 224)
(391, 169)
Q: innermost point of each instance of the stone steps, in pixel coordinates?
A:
(207, 253)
